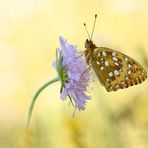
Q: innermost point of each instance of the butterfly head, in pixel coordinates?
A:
(89, 44)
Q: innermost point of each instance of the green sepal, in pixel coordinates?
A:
(62, 72)
(70, 100)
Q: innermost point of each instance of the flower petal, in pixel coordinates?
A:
(64, 94)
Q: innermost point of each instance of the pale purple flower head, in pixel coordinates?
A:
(74, 75)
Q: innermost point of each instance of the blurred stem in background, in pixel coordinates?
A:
(35, 97)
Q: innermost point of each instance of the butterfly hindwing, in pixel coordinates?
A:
(116, 70)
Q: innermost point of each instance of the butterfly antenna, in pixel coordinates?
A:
(87, 31)
(93, 26)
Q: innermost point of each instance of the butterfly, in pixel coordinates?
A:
(114, 69)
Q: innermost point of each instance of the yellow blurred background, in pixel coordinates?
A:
(29, 35)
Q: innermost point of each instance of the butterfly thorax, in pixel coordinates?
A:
(90, 48)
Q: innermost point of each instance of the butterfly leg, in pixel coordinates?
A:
(88, 69)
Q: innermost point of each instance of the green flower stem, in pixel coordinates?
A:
(35, 97)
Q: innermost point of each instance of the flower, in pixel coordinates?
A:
(74, 74)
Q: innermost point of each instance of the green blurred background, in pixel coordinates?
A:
(29, 35)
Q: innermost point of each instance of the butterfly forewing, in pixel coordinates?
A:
(116, 70)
